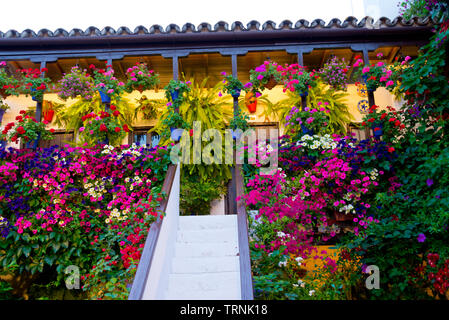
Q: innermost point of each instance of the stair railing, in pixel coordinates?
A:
(246, 278)
(171, 189)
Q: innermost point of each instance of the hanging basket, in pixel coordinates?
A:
(271, 83)
(340, 217)
(3, 93)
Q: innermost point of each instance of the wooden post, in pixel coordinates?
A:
(234, 74)
(39, 103)
(371, 100)
(300, 58)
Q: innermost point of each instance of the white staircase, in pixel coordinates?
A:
(205, 265)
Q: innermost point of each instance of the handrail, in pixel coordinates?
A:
(246, 279)
(144, 266)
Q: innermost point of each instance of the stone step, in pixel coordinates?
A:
(208, 264)
(200, 295)
(226, 282)
(208, 222)
(206, 249)
(225, 235)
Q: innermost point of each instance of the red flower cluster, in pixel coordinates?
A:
(438, 276)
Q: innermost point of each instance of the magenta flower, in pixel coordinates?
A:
(421, 237)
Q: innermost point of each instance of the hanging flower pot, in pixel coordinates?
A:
(271, 83)
(377, 130)
(3, 93)
(235, 93)
(104, 97)
(174, 95)
(140, 88)
(176, 134)
(339, 216)
(252, 106)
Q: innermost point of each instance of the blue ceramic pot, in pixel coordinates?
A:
(304, 94)
(377, 130)
(236, 94)
(306, 130)
(104, 97)
(176, 134)
(2, 112)
(33, 144)
(174, 95)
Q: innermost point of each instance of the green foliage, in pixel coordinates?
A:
(196, 197)
(150, 108)
(70, 116)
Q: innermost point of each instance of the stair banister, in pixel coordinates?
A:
(143, 269)
(246, 279)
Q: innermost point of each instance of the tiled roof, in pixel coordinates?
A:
(221, 26)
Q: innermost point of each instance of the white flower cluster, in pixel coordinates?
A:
(132, 150)
(300, 283)
(107, 149)
(134, 182)
(96, 189)
(117, 215)
(317, 141)
(374, 174)
(347, 209)
(3, 221)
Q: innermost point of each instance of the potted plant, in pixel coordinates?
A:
(299, 80)
(3, 108)
(34, 83)
(175, 90)
(335, 73)
(148, 107)
(383, 121)
(239, 121)
(28, 129)
(232, 85)
(8, 84)
(375, 75)
(267, 75)
(140, 78)
(309, 121)
(174, 122)
(107, 84)
(251, 101)
(104, 127)
(76, 83)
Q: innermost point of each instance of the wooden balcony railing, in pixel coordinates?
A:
(143, 269)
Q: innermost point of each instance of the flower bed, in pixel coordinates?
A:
(85, 207)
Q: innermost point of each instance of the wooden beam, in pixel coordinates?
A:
(324, 58)
(59, 69)
(393, 53)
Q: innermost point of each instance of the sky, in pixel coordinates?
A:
(68, 14)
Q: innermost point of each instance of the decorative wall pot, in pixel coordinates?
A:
(104, 97)
(48, 115)
(2, 112)
(252, 107)
(33, 144)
